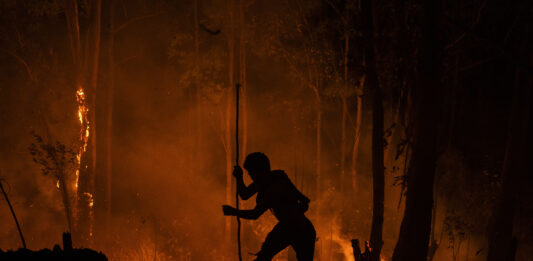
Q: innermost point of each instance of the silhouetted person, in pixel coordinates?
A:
(276, 192)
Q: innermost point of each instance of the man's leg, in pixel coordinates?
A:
(304, 241)
(305, 251)
(275, 241)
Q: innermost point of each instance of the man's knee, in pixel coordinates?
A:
(264, 256)
(305, 255)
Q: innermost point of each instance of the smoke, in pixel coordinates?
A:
(168, 174)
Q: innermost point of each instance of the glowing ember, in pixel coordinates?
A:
(91, 199)
(77, 178)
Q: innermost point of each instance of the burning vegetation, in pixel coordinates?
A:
(404, 122)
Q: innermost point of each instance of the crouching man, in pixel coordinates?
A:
(276, 192)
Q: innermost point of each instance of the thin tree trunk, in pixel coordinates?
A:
(344, 111)
(15, 216)
(343, 142)
(228, 150)
(198, 90)
(416, 224)
(231, 82)
(95, 48)
(72, 19)
(71, 12)
(242, 70)
(66, 199)
(357, 135)
(109, 110)
(318, 138)
(378, 170)
(86, 71)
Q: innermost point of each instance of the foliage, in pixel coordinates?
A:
(53, 158)
(457, 229)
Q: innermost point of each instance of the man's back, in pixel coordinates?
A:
(282, 197)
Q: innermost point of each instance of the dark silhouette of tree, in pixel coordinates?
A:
(415, 228)
(502, 243)
(378, 169)
(57, 160)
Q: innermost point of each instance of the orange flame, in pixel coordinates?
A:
(83, 112)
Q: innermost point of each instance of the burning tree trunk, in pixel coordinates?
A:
(416, 224)
(71, 12)
(86, 74)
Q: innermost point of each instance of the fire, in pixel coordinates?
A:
(83, 117)
(83, 112)
(343, 242)
(82, 109)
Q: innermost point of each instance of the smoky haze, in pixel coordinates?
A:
(173, 126)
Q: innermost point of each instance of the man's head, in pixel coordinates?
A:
(257, 164)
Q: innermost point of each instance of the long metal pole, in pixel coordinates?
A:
(14, 216)
(237, 87)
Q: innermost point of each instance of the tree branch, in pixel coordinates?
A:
(466, 32)
(133, 20)
(23, 62)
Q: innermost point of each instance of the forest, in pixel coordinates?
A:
(404, 122)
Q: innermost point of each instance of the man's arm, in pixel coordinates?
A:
(245, 213)
(244, 191)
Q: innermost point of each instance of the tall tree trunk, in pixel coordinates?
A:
(318, 103)
(227, 131)
(416, 224)
(71, 13)
(198, 91)
(95, 33)
(66, 198)
(501, 242)
(242, 70)
(344, 110)
(357, 134)
(342, 179)
(378, 171)
(229, 162)
(109, 110)
(86, 76)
